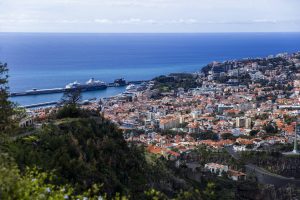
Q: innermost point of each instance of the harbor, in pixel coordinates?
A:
(50, 97)
(90, 85)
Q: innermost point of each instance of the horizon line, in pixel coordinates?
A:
(233, 32)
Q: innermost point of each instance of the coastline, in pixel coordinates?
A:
(110, 91)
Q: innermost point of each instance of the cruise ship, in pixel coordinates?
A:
(90, 85)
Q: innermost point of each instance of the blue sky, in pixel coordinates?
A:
(149, 16)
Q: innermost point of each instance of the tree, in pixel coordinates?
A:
(6, 107)
(226, 136)
(253, 132)
(210, 191)
(32, 185)
(205, 135)
(70, 101)
(271, 128)
(71, 97)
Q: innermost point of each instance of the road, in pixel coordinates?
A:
(264, 176)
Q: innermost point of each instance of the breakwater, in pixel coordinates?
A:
(62, 90)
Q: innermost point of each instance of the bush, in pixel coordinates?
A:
(68, 111)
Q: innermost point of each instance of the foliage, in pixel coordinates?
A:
(289, 119)
(71, 97)
(153, 194)
(229, 136)
(207, 135)
(253, 132)
(190, 195)
(6, 107)
(31, 185)
(175, 81)
(91, 150)
(83, 152)
(271, 128)
(209, 192)
(275, 162)
(69, 110)
(203, 155)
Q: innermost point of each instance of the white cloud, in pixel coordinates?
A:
(137, 21)
(274, 21)
(154, 15)
(103, 21)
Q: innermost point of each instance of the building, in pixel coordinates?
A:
(222, 107)
(248, 123)
(236, 175)
(216, 168)
(168, 122)
(240, 122)
(220, 169)
(26, 121)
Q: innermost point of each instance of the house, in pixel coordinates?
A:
(193, 127)
(219, 169)
(236, 175)
(168, 154)
(216, 168)
(239, 148)
(26, 121)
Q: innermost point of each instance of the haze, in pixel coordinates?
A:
(150, 16)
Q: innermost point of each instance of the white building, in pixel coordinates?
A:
(216, 168)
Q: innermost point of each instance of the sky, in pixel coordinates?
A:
(147, 16)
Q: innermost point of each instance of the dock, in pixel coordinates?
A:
(62, 90)
(41, 104)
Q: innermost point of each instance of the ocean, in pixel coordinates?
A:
(49, 60)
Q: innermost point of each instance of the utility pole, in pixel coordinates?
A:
(297, 130)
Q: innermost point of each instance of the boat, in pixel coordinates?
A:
(90, 85)
(73, 85)
(131, 87)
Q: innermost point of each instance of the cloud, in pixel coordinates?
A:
(67, 21)
(140, 3)
(182, 21)
(137, 21)
(272, 21)
(103, 21)
(153, 15)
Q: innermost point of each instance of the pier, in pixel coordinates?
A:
(62, 90)
(41, 104)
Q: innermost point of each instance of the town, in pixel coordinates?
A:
(249, 105)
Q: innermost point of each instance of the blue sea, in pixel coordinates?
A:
(49, 60)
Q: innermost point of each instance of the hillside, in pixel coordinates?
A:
(85, 151)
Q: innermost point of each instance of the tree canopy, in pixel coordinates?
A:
(6, 107)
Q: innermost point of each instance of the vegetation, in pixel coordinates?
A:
(84, 151)
(175, 81)
(275, 162)
(205, 135)
(72, 97)
(205, 155)
(6, 107)
(228, 136)
(31, 185)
